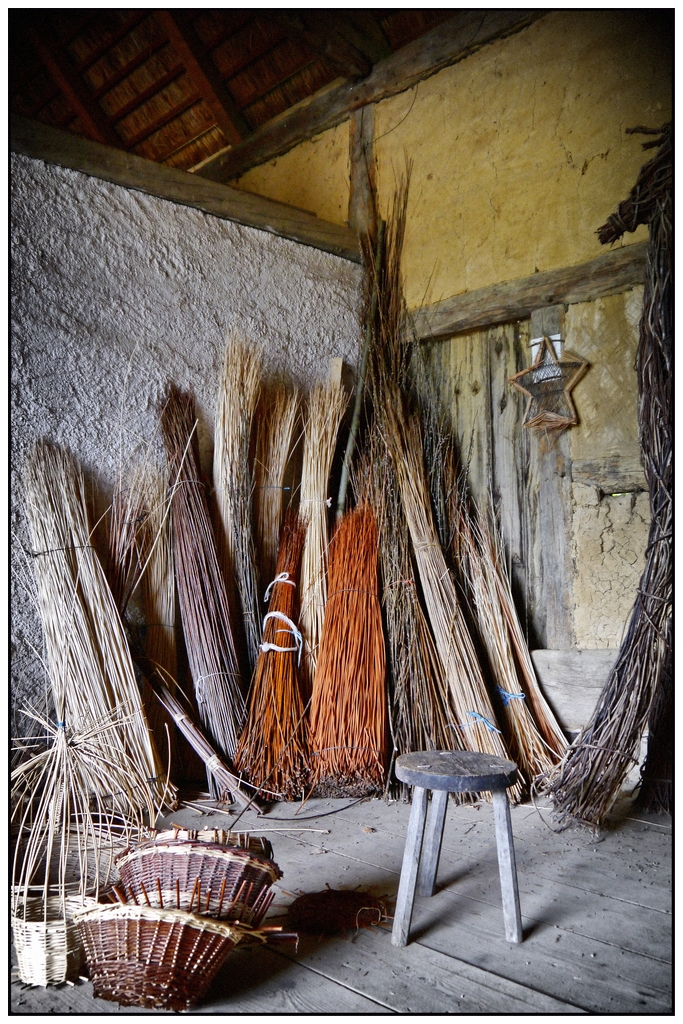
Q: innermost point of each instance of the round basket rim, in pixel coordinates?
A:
(130, 912)
(207, 850)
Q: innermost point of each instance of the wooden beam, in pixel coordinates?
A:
(203, 74)
(368, 34)
(319, 32)
(607, 274)
(44, 143)
(363, 190)
(72, 85)
(441, 46)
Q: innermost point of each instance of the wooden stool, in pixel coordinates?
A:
(444, 772)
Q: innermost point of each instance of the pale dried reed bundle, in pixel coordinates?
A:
(87, 653)
(273, 448)
(273, 748)
(419, 700)
(326, 406)
(474, 715)
(348, 707)
(233, 481)
(481, 576)
(201, 589)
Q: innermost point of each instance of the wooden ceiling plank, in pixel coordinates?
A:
(112, 39)
(321, 35)
(607, 274)
(130, 67)
(73, 87)
(163, 119)
(449, 42)
(149, 92)
(41, 142)
(204, 74)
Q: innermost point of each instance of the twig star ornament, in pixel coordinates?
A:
(547, 383)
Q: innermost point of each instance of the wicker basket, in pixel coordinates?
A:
(204, 878)
(47, 941)
(220, 836)
(159, 959)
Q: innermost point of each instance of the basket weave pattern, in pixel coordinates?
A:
(46, 939)
(159, 959)
(199, 877)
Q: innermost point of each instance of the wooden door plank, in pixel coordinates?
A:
(54, 146)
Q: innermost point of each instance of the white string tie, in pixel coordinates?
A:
(293, 631)
(283, 577)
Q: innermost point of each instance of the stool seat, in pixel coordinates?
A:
(456, 771)
(442, 772)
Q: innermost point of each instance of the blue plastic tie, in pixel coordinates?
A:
(507, 696)
(480, 718)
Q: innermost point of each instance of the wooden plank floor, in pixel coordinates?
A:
(596, 912)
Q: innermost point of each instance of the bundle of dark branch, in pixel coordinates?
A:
(273, 748)
(201, 590)
(233, 482)
(276, 423)
(348, 707)
(640, 684)
(420, 715)
(399, 424)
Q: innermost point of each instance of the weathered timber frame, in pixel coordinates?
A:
(446, 44)
(607, 274)
(41, 142)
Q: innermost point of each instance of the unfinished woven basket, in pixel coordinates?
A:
(46, 939)
(205, 878)
(220, 836)
(159, 959)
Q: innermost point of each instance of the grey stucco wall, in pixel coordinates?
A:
(115, 293)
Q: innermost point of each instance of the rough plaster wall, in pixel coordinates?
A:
(609, 540)
(314, 176)
(520, 152)
(609, 531)
(115, 293)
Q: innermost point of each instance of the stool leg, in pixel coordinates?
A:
(431, 844)
(411, 860)
(507, 868)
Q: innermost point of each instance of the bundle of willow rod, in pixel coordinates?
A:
(326, 407)
(273, 748)
(640, 684)
(201, 589)
(233, 481)
(158, 597)
(86, 647)
(481, 570)
(348, 709)
(225, 782)
(418, 699)
(273, 447)
(400, 427)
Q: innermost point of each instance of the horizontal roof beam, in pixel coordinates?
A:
(42, 142)
(447, 43)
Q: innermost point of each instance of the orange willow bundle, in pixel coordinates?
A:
(348, 707)
(272, 750)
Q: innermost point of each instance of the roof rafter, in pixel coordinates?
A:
(447, 43)
(203, 74)
(320, 32)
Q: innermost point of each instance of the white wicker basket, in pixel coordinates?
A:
(47, 942)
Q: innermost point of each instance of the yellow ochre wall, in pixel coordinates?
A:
(519, 151)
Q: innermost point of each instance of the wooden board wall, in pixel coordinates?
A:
(525, 475)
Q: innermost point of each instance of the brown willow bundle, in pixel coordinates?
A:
(326, 406)
(201, 589)
(348, 708)
(419, 700)
(233, 481)
(273, 749)
(87, 652)
(485, 580)
(400, 427)
(641, 681)
(273, 447)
